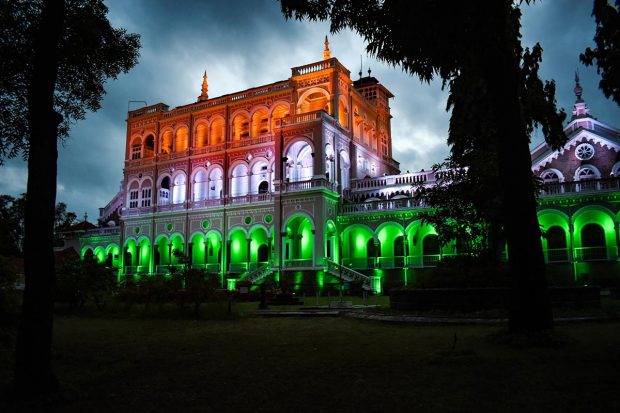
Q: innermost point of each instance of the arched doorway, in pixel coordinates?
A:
(556, 244)
(593, 243)
(299, 242)
(430, 250)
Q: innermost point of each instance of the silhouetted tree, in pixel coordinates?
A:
(56, 56)
(475, 48)
(12, 225)
(606, 55)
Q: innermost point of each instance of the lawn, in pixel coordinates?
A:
(114, 363)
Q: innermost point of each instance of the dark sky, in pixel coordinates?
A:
(243, 44)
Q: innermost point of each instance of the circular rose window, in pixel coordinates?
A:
(584, 151)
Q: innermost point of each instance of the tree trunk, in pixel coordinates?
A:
(530, 308)
(33, 371)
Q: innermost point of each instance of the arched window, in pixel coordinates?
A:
(344, 165)
(556, 238)
(263, 187)
(180, 139)
(592, 235)
(260, 174)
(216, 131)
(263, 253)
(215, 183)
(300, 165)
(240, 127)
(133, 195)
(239, 180)
(260, 122)
(166, 142)
(399, 246)
(146, 193)
(279, 112)
(551, 176)
(164, 191)
(200, 185)
(430, 245)
(136, 149)
(149, 146)
(593, 242)
(317, 100)
(178, 190)
(585, 174)
(201, 135)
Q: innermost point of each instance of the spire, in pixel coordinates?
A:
(326, 53)
(580, 109)
(360, 72)
(205, 88)
(578, 89)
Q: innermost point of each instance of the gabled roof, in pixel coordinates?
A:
(581, 127)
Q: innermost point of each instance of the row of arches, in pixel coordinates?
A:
(243, 124)
(589, 234)
(585, 172)
(245, 178)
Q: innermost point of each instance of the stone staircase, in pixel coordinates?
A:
(348, 274)
(258, 274)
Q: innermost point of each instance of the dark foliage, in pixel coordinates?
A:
(606, 54)
(91, 51)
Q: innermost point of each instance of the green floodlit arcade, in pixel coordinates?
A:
(295, 181)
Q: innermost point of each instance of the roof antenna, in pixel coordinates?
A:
(360, 72)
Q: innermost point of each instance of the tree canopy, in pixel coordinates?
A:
(90, 52)
(475, 49)
(606, 54)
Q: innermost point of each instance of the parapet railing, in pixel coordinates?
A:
(234, 97)
(379, 206)
(318, 66)
(348, 274)
(580, 187)
(409, 179)
(250, 141)
(315, 183)
(104, 231)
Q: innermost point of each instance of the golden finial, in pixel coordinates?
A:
(205, 88)
(326, 52)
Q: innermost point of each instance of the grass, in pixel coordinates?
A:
(111, 362)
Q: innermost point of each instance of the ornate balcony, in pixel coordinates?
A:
(382, 206)
(581, 187)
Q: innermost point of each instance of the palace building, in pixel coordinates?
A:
(296, 179)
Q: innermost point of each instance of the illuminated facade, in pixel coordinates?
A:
(296, 179)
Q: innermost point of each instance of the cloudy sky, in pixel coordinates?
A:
(243, 44)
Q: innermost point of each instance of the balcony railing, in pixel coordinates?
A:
(596, 253)
(557, 255)
(104, 231)
(318, 66)
(208, 149)
(581, 187)
(207, 203)
(300, 118)
(310, 184)
(256, 140)
(380, 182)
(382, 206)
(250, 198)
(137, 269)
